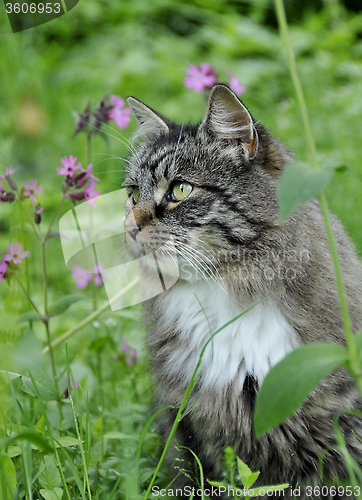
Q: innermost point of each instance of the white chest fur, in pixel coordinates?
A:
(250, 345)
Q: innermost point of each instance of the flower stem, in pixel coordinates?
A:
(279, 6)
(27, 276)
(30, 221)
(45, 278)
(54, 217)
(62, 338)
(52, 359)
(89, 147)
(27, 295)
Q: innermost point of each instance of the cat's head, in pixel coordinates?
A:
(209, 187)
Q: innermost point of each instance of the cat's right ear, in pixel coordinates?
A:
(152, 125)
(227, 118)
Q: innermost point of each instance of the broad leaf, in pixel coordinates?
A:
(298, 184)
(54, 494)
(291, 381)
(66, 441)
(30, 316)
(247, 477)
(7, 477)
(32, 437)
(50, 477)
(64, 303)
(44, 385)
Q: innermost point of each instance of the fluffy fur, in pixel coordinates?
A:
(234, 252)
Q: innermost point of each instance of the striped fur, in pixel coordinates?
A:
(233, 251)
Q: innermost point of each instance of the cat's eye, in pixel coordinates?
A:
(135, 194)
(181, 190)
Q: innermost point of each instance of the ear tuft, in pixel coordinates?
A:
(152, 125)
(227, 118)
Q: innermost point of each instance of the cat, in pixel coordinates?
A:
(211, 188)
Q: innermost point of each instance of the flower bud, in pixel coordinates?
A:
(37, 214)
(102, 112)
(77, 195)
(7, 196)
(11, 182)
(82, 119)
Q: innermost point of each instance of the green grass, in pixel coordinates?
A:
(141, 49)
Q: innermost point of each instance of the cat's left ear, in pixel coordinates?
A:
(227, 118)
(152, 124)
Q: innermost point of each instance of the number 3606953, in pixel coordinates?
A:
(32, 8)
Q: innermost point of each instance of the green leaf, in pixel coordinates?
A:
(7, 477)
(118, 435)
(216, 483)
(263, 490)
(247, 477)
(32, 437)
(298, 184)
(14, 451)
(30, 316)
(66, 441)
(44, 385)
(50, 477)
(290, 382)
(54, 494)
(64, 303)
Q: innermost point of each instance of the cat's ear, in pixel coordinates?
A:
(227, 118)
(152, 125)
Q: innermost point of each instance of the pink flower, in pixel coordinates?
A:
(85, 176)
(235, 85)
(30, 189)
(89, 194)
(69, 166)
(132, 355)
(82, 277)
(98, 280)
(66, 393)
(3, 267)
(16, 255)
(119, 115)
(9, 171)
(199, 78)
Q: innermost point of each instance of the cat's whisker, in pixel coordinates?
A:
(198, 264)
(111, 157)
(132, 149)
(202, 256)
(116, 131)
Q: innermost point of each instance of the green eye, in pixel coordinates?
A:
(135, 194)
(181, 190)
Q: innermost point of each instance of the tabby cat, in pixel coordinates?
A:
(211, 187)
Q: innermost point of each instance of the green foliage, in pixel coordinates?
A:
(290, 382)
(61, 305)
(143, 48)
(7, 477)
(298, 184)
(245, 477)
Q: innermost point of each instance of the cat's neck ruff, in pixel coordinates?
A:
(250, 345)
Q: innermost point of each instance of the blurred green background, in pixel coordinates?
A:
(142, 48)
